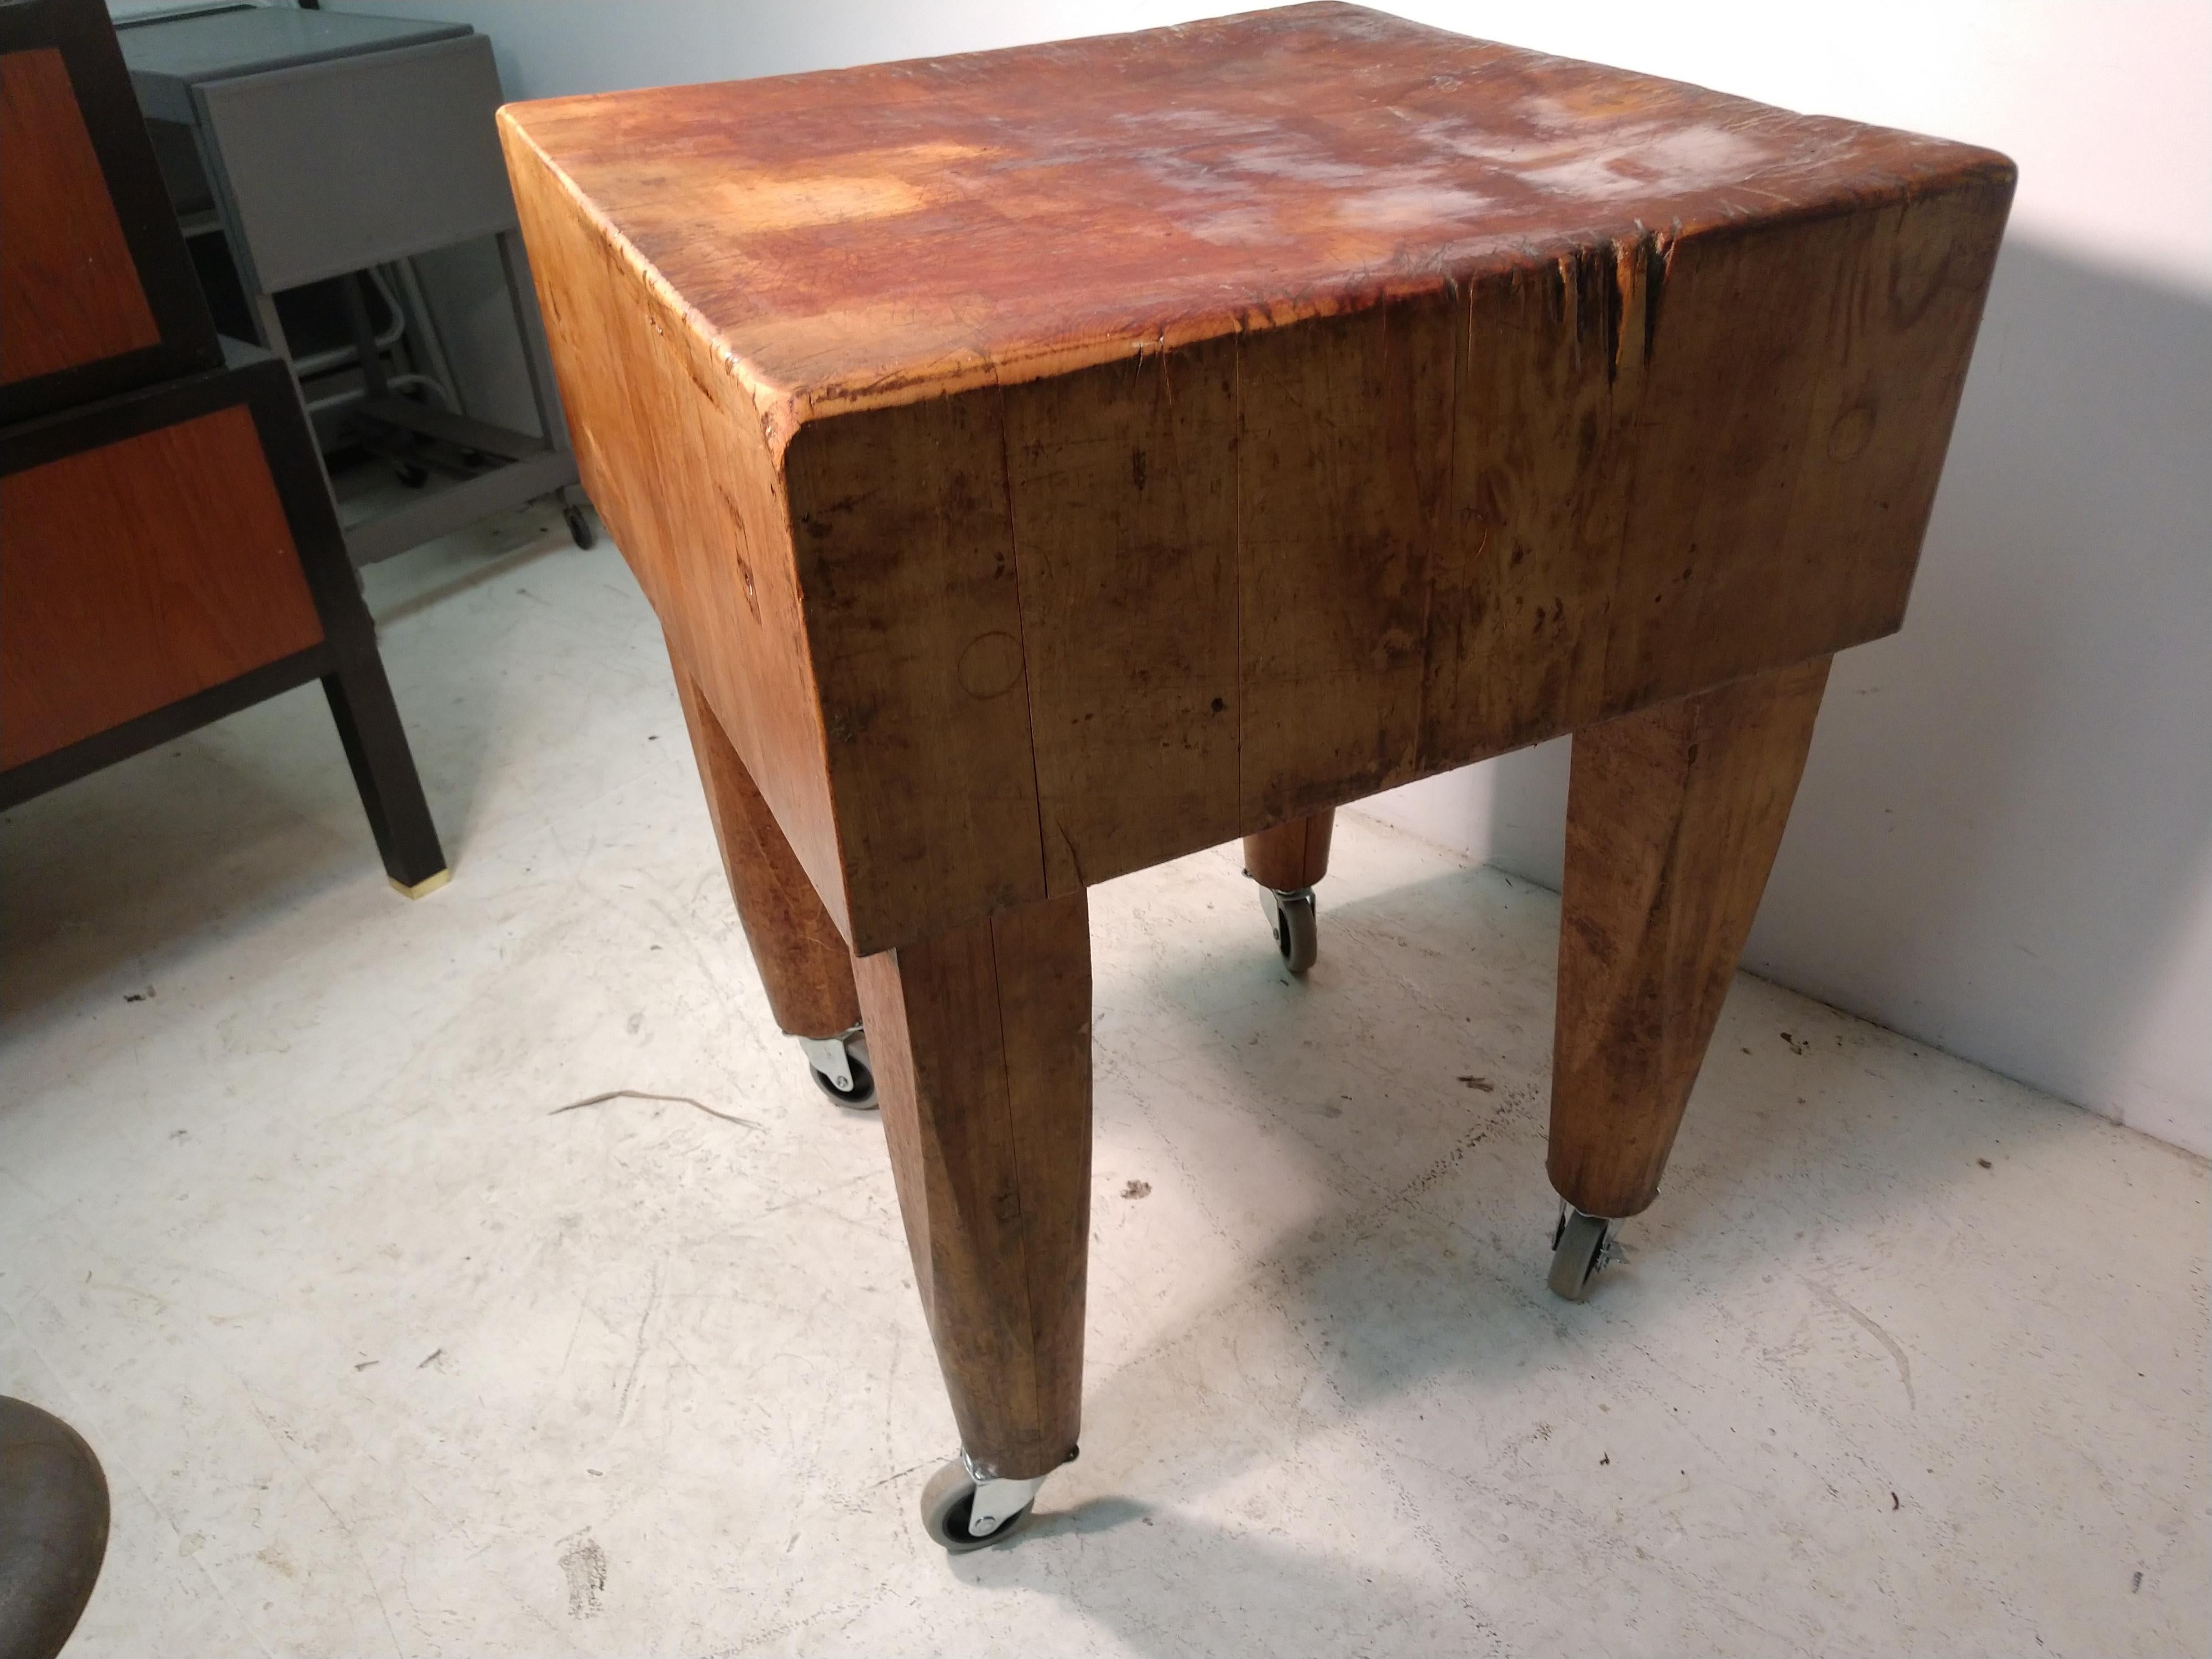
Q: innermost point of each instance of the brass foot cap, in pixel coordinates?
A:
(423, 888)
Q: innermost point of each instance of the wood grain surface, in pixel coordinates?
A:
(69, 292)
(980, 1042)
(1290, 855)
(138, 572)
(1058, 460)
(803, 964)
(898, 231)
(1674, 815)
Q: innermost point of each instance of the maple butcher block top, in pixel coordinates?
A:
(874, 236)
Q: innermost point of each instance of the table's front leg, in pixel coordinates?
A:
(803, 964)
(1673, 815)
(1287, 861)
(982, 1044)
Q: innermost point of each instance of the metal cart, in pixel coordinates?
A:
(331, 143)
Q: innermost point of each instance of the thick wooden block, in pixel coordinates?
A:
(1058, 460)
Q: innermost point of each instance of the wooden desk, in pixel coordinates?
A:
(1049, 462)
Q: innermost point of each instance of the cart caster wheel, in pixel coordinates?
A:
(412, 476)
(1582, 1248)
(948, 1507)
(1290, 918)
(581, 531)
(840, 1066)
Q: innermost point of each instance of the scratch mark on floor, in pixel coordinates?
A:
(637, 1347)
(639, 1094)
(1873, 1328)
(345, 1531)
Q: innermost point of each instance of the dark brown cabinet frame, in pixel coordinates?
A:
(188, 342)
(346, 659)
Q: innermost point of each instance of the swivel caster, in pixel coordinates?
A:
(840, 1065)
(581, 530)
(962, 1513)
(1583, 1246)
(1290, 917)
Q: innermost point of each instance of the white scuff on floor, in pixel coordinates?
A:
(381, 1355)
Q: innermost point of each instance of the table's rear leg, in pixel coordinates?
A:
(1287, 861)
(803, 959)
(1674, 815)
(981, 1040)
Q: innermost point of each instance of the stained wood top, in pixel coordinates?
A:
(870, 236)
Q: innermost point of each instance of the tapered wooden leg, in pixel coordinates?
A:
(1674, 815)
(804, 961)
(1290, 855)
(981, 1040)
(1287, 861)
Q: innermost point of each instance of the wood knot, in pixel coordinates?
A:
(991, 666)
(1849, 435)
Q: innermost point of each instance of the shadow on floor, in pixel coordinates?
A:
(1424, 1264)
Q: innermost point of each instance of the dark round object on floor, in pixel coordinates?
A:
(409, 474)
(53, 1529)
(581, 530)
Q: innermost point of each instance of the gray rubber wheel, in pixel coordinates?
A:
(861, 1096)
(1298, 932)
(946, 1504)
(1578, 1254)
(581, 530)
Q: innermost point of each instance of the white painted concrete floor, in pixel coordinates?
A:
(384, 1356)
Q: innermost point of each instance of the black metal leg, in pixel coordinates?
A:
(384, 770)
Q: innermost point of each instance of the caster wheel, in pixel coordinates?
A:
(412, 476)
(1582, 1245)
(823, 1058)
(860, 1098)
(948, 1506)
(581, 531)
(1297, 934)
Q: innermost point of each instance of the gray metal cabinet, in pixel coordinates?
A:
(334, 142)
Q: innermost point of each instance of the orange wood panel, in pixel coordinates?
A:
(69, 292)
(138, 572)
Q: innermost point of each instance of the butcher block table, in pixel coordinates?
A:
(1050, 462)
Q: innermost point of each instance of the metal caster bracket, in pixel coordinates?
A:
(1582, 1246)
(963, 1508)
(998, 1501)
(841, 1067)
